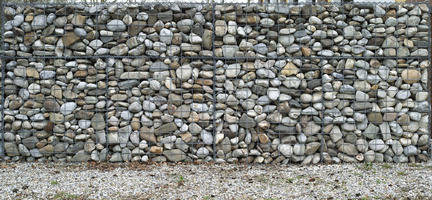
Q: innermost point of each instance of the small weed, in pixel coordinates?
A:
(414, 165)
(262, 179)
(386, 166)
(401, 173)
(367, 166)
(206, 198)
(290, 180)
(358, 174)
(378, 181)
(54, 182)
(180, 180)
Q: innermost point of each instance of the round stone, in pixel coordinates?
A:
(410, 76)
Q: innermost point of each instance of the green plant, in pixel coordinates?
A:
(290, 180)
(386, 166)
(401, 173)
(54, 182)
(367, 166)
(180, 180)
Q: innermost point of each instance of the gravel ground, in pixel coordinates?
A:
(219, 181)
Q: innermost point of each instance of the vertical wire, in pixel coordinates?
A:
(3, 66)
(429, 84)
(214, 81)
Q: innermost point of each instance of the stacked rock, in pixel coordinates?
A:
(224, 83)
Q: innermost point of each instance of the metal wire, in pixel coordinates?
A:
(322, 136)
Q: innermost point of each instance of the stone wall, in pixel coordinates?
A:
(210, 82)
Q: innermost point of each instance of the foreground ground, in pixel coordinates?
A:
(169, 181)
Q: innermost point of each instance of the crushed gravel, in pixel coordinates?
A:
(214, 181)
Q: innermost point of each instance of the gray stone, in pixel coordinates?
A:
(39, 22)
(247, 122)
(135, 107)
(116, 25)
(390, 42)
(98, 121)
(377, 145)
(286, 150)
(166, 36)
(410, 150)
(185, 25)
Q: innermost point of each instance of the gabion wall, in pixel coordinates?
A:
(210, 82)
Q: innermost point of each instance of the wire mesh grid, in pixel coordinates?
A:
(252, 83)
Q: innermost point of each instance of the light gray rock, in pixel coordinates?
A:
(116, 25)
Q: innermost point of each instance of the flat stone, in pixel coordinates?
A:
(116, 25)
(168, 128)
(98, 121)
(247, 122)
(377, 145)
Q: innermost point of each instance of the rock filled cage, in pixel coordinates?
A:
(272, 83)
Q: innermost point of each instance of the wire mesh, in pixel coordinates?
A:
(224, 82)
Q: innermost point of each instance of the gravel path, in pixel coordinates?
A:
(168, 181)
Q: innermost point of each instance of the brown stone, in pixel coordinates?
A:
(29, 38)
(49, 127)
(136, 27)
(147, 135)
(80, 74)
(375, 117)
(51, 106)
(135, 124)
(156, 149)
(249, 76)
(32, 73)
(290, 69)
(404, 120)
(263, 138)
(78, 20)
(410, 76)
(69, 38)
(29, 18)
(47, 150)
(284, 107)
(306, 51)
(186, 137)
(389, 117)
(57, 92)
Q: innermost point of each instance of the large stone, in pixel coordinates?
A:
(166, 36)
(312, 147)
(247, 122)
(174, 155)
(184, 72)
(290, 69)
(98, 121)
(349, 149)
(182, 111)
(168, 128)
(286, 150)
(69, 38)
(207, 40)
(68, 108)
(410, 76)
(390, 42)
(377, 145)
(116, 25)
(39, 22)
(11, 149)
(220, 28)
